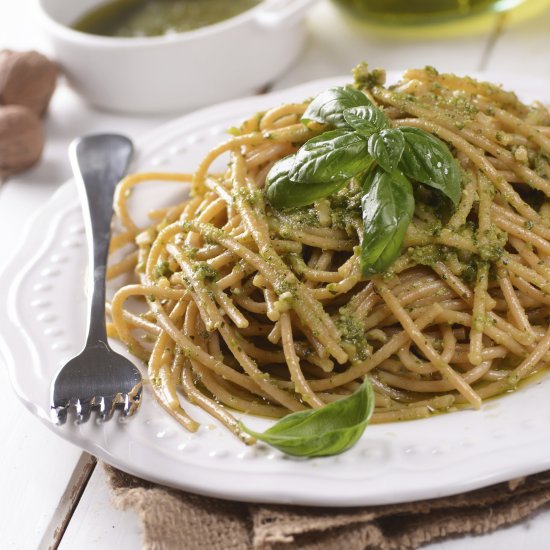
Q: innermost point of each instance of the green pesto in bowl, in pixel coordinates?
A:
(139, 18)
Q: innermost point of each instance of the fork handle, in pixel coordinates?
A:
(98, 162)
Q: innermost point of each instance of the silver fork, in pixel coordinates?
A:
(97, 378)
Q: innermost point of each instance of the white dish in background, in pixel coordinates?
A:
(176, 72)
(439, 456)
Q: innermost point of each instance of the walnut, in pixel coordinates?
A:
(21, 139)
(28, 79)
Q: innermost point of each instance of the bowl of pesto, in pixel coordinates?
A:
(161, 56)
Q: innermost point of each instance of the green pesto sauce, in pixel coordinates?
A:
(204, 272)
(428, 254)
(162, 269)
(353, 332)
(344, 207)
(138, 18)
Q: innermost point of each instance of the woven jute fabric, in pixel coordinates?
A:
(173, 519)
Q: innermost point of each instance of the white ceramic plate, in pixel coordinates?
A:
(439, 456)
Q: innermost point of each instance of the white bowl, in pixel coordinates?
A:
(180, 71)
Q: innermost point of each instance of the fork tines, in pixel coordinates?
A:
(105, 406)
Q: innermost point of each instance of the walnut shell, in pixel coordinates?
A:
(21, 139)
(28, 79)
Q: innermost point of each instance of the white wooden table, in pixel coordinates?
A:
(51, 492)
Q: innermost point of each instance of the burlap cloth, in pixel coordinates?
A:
(174, 519)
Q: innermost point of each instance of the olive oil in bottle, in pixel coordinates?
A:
(421, 12)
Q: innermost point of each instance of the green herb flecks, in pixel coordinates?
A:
(353, 333)
(162, 269)
(205, 272)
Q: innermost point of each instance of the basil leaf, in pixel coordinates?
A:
(388, 207)
(282, 192)
(328, 106)
(329, 430)
(428, 160)
(386, 148)
(333, 156)
(279, 171)
(366, 119)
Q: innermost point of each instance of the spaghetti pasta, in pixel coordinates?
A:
(266, 311)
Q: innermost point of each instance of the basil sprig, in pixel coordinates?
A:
(330, 430)
(359, 142)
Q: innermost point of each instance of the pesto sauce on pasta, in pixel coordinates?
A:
(266, 310)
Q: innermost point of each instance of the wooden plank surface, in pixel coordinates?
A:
(36, 471)
(42, 475)
(37, 466)
(97, 524)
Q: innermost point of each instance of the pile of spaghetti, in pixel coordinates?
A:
(266, 311)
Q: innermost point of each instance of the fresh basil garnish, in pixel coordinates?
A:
(282, 192)
(388, 207)
(363, 142)
(333, 156)
(366, 119)
(279, 172)
(329, 106)
(428, 160)
(386, 148)
(330, 430)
